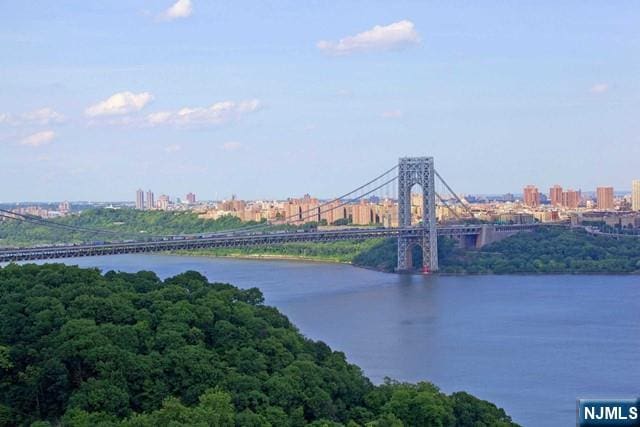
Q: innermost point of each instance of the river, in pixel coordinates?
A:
(530, 344)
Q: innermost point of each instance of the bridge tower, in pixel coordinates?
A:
(421, 171)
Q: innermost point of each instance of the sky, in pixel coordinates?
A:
(270, 99)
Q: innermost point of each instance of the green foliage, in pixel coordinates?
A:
(340, 251)
(383, 255)
(545, 250)
(126, 223)
(5, 358)
(549, 250)
(83, 349)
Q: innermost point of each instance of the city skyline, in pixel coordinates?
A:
(278, 99)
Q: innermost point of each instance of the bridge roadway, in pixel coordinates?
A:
(236, 240)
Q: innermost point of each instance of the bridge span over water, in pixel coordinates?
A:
(477, 235)
(411, 232)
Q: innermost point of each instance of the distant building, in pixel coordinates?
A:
(604, 197)
(555, 195)
(635, 195)
(508, 197)
(570, 199)
(140, 199)
(163, 202)
(64, 208)
(151, 203)
(531, 196)
(191, 198)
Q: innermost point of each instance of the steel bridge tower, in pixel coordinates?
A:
(421, 171)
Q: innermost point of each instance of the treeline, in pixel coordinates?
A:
(545, 250)
(549, 250)
(124, 223)
(78, 348)
(339, 251)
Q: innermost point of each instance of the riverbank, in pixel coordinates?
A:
(543, 251)
(274, 257)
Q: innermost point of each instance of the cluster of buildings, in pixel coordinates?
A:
(64, 209)
(604, 200)
(147, 201)
(559, 204)
(601, 207)
(307, 209)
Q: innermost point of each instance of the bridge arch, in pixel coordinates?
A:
(414, 256)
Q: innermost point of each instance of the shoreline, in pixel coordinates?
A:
(276, 257)
(265, 257)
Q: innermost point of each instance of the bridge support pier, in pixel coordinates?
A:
(405, 252)
(420, 171)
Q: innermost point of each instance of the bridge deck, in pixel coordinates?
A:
(234, 240)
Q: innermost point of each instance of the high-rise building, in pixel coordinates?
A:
(571, 199)
(163, 202)
(531, 196)
(555, 195)
(140, 199)
(635, 195)
(64, 208)
(151, 202)
(604, 198)
(191, 198)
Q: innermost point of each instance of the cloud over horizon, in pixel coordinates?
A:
(599, 88)
(379, 38)
(391, 114)
(232, 146)
(218, 113)
(180, 9)
(43, 116)
(39, 138)
(119, 103)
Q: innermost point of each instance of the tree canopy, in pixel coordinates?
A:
(79, 348)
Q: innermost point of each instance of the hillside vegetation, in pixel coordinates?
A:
(125, 223)
(78, 348)
(549, 250)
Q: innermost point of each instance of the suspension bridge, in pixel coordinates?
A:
(416, 225)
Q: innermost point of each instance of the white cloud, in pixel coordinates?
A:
(172, 148)
(218, 113)
(120, 103)
(43, 116)
(180, 9)
(381, 37)
(39, 138)
(392, 114)
(231, 146)
(599, 88)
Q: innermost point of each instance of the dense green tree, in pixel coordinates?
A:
(81, 349)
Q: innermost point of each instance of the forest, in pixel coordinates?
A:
(81, 348)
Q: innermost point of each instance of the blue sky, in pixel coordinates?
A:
(268, 99)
